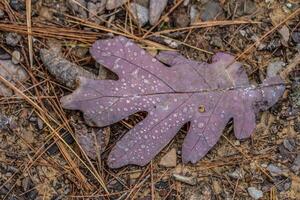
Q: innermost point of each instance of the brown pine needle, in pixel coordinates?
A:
(29, 31)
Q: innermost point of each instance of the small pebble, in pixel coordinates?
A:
(255, 193)
(289, 144)
(171, 43)
(186, 2)
(296, 164)
(274, 67)
(4, 121)
(274, 170)
(211, 10)
(155, 10)
(140, 13)
(16, 57)
(96, 8)
(40, 123)
(12, 39)
(285, 34)
(112, 4)
(78, 9)
(296, 37)
(237, 174)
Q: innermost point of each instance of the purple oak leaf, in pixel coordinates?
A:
(206, 95)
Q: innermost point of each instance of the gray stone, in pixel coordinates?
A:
(274, 68)
(96, 8)
(285, 34)
(296, 37)
(211, 10)
(13, 73)
(289, 144)
(274, 170)
(296, 164)
(4, 121)
(112, 4)
(79, 9)
(140, 13)
(255, 193)
(156, 9)
(16, 57)
(12, 39)
(237, 174)
(186, 2)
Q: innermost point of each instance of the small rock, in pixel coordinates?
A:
(112, 4)
(4, 121)
(2, 14)
(12, 39)
(194, 14)
(237, 174)
(17, 5)
(296, 37)
(289, 144)
(169, 160)
(40, 123)
(96, 8)
(91, 141)
(45, 13)
(274, 68)
(211, 10)
(78, 9)
(186, 2)
(13, 73)
(16, 57)
(140, 13)
(255, 193)
(156, 9)
(285, 34)
(181, 17)
(274, 170)
(296, 164)
(185, 179)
